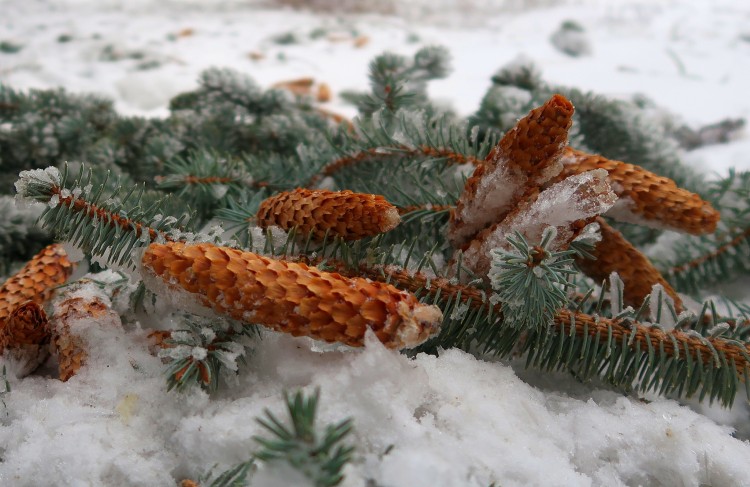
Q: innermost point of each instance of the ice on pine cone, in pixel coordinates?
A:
(24, 339)
(568, 206)
(81, 311)
(526, 157)
(289, 297)
(613, 253)
(644, 197)
(346, 214)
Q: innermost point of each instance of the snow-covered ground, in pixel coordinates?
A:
(447, 421)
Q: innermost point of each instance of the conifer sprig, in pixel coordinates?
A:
(702, 261)
(401, 132)
(111, 229)
(624, 350)
(201, 351)
(205, 179)
(319, 456)
(531, 281)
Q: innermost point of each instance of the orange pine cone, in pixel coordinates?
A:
(26, 325)
(24, 340)
(23, 324)
(615, 254)
(646, 198)
(526, 157)
(538, 139)
(70, 318)
(340, 213)
(36, 280)
(292, 297)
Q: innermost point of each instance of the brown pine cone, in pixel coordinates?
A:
(24, 334)
(615, 254)
(525, 158)
(36, 280)
(568, 206)
(291, 297)
(349, 215)
(644, 197)
(24, 340)
(69, 322)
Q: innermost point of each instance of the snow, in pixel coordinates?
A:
(423, 421)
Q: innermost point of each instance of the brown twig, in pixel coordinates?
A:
(80, 205)
(692, 264)
(342, 162)
(403, 210)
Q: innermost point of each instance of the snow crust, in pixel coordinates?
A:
(429, 421)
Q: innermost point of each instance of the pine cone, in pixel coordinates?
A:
(645, 198)
(24, 340)
(526, 157)
(340, 213)
(23, 324)
(292, 297)
(70, 319)
(615, 254)
(36, 280)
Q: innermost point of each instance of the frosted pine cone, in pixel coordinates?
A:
(568, 206)
(615, 254)
(292, 297)
(526, 157)
(24, 340)
(340, 213)
(644, 197)
(72, 319)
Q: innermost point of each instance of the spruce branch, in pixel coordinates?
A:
(428, 207)
(318, 456)
(237, 476)
(531, 281)
(201, 351)
(105, 229)
(714, 265)
(205, 179)
(684, 361)
(709, 259)
(399, 151)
